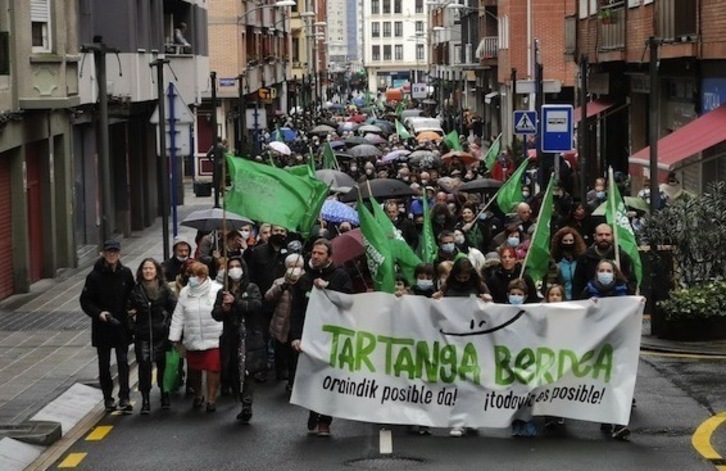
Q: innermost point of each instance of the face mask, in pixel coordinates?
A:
(482, 216)
(448, 248)
(182, 259)
(423, 182)
(440, 219)
(525, 194)
(369, 172)
(513, 241)
(459, 240)
(605, 278)
(245, 234)
(405, 179)
(294, 273)
(516, 299)
(425, 285)
(567, 246)
(235, 273)
(354, 169)
(194, 282)
(600, 195)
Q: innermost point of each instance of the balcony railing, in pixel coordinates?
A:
(488, 48)
(612, 26)
(677, 20)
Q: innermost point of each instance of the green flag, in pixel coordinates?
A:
(452, 140)
(493, 153)
(274, 195)
(427, 247)
(367, 98)
(277, 135)
(311, 160)
(400, 108)
(401, 131)
(378, 251)
(510, 194)
(299, 170)
(403, 254)
(616, 216)
(538, 255)
(329, 160)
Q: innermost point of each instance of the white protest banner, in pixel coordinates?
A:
(374, 357)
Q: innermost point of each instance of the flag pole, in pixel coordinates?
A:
(611, 207)
(536, 230)
(223, 187)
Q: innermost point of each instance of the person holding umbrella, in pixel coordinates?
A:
(243, 352)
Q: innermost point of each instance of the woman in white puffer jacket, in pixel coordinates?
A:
(193, 317)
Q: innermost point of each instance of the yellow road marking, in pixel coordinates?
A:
(684, 355)
(99, 433)
(701, 439)
(72, 460)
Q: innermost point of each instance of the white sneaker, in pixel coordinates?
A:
(457, 432)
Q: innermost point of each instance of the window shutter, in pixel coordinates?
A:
(39, 11)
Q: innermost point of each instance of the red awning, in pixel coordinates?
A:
(696, 136)
(593, 108)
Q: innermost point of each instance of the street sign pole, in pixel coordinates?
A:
(174, 164)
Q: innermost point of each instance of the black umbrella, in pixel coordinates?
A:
(382, 188)
(211, 220)
(356, 141)
(365, 150)
(337, 181)
(481, 185)
(328, 122)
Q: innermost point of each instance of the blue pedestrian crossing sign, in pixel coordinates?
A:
(525, 122)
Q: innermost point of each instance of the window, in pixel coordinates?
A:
(387, 53)
(397, 6)
(4, 53)
(398, 29)
(376, 29)
(419, 27)
(295, 49)
(40, 25)
(386, 29)
(375, 7)
(398, 52)
(419, 6)
(419, 52)
(386, 6)
(376, 53)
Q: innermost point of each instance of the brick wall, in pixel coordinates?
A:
(224, 53)
(548, 25)
(713, 24)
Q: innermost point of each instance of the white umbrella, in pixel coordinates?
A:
(280, 147)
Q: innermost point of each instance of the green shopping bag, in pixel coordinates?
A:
(172, 378)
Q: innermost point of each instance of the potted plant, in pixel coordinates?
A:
(606, 16)
(694, 230)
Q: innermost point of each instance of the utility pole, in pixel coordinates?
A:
(215, 139)
(653, 112)
(544, 170)
(242, 110)
(100, 49)
(513, 79)
(583, 131)
(163, 167)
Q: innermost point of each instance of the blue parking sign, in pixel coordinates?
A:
(557, 128)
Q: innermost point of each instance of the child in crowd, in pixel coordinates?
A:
(555, 293)
(517, 293)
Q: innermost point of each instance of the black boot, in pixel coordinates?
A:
(165, 401)
(245, 414)
(145, 404)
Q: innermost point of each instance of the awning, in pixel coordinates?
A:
(490, 96)
(593, 108)
(696, 136)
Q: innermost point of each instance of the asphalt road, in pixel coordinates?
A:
(674, 396)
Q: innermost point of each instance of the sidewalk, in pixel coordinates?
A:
(45, 338)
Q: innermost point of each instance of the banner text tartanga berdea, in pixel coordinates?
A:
(353, 350)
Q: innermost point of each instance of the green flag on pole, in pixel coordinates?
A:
(427, 247)
(329, 160)
(401, 131)
(277, 135)
(493, 153)
(510, 194)
(403, 255)
(400, 108)
(264, 193)
(378, 251)
(367, 98)
(617, 217)
(452, 140)
(538, 255)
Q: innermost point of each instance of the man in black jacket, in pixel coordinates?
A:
(603, 248)
(104, 299)
(324, 275)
